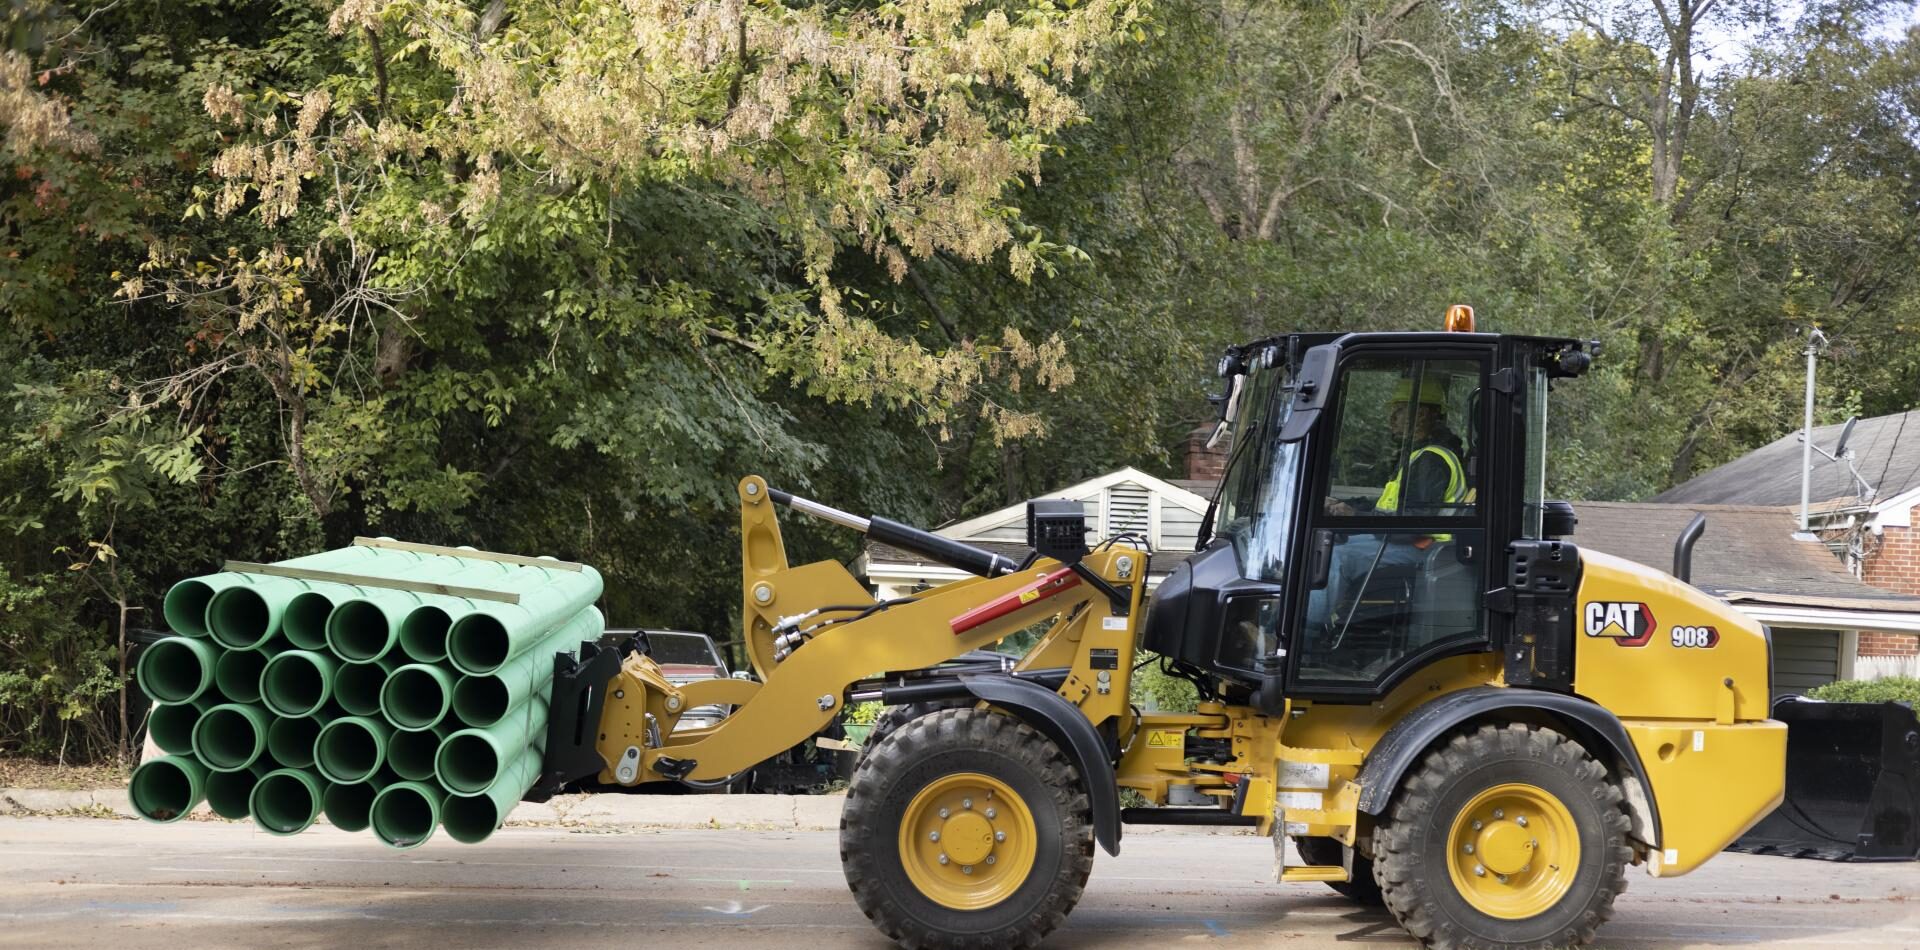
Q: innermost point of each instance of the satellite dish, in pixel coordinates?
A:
(1846, 432)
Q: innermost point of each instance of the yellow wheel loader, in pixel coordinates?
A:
(1403, 668)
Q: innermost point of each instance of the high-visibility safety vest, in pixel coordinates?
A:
(1456, 482)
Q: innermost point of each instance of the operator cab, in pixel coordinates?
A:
(1374, 485)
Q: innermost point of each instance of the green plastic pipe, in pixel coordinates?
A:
(356, 686)
(410, 753)
(229, 794)
(349, 806)
(176, 669)
(417, 696)
(167, 788)
(491, 633)
(470, 760)
(290, 740)
(171, 727)
(298, 682)
(471, 819)
(231, 736)
(237, 672)
(483, 700)
(351, 749)
(373, 624)
(405, 813)
(248, 610)
(286, 801)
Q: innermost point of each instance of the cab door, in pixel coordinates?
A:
(1396, 560)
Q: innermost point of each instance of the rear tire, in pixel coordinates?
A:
(1363, 889)
(1016, 828)
(1504, 837)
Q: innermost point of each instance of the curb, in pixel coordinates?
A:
(606, 811)
(602, 812)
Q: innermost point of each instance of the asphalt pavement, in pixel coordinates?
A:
(132, 886)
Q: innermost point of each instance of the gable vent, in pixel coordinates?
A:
(1129, 509)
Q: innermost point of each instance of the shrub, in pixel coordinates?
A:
(1903, 689)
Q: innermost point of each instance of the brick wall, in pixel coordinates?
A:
(1888, 644)
(1894, 564)
(1203, 463)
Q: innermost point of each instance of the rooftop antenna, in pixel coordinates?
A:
(1842, 453)
(1816, 343)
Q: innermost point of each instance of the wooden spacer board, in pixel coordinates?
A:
(362, 580)
(417, 548)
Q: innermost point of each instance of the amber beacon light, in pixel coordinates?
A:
(1459, 318)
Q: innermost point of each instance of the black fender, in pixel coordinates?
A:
(1064, 723)
(1403, 744)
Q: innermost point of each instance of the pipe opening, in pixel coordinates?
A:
(284, 804)
(173, 671)
(478, 644)
(348, 751)
(229, 793)
(480, 700)
(349, 805)
(172, 727)
(357, 687)
(305, 622)
(470, 820)
(414, 698)
(237, 673)
(411, 754)
(161, 791)
(467, 763)
(358, 631)
(240, 618)
(294, 685)
(227, 738)
(290, 740)
(403, 817)
(423, 635)
(185, 607)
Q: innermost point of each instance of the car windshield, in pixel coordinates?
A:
(1257, 494)
(684, 648)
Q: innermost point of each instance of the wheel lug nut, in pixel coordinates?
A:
(1526, 869)
(943, 859)
(1521, 821)
(999, 836)
(1476, 824)
(933, 836)
(966, 869)
(990, 813)
(1502, 877)
(990, 859)
(1478, 871)
(1499, 813)
(966, 803)
(1469, 849)
(943, 813)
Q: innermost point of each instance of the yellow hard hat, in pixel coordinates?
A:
(1433, 392)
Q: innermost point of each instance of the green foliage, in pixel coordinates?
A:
(865, 714)
(1156, 691)
(1896, 689)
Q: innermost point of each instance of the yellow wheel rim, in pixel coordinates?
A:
(1513, 851)
(967, 841)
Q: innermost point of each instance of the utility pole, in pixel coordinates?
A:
(1816, 341)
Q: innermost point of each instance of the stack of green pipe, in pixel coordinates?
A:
(285, 699)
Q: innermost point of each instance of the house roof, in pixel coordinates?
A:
(1748, 553)
(1886, 450)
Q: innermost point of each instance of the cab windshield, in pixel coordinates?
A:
(1257, 494)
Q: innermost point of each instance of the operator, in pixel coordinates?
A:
(1433, 480)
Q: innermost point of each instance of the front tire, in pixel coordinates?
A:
(1505, 837)
(998, 801)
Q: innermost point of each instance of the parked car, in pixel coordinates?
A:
(684, 657)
